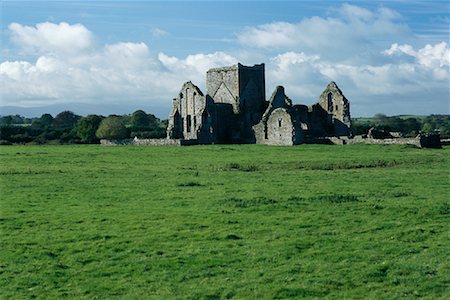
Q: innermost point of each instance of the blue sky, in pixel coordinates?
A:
(118, 56)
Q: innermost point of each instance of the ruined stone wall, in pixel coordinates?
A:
(280, 128)
(252, 88)
(421, 141)
(185, 120)
(148, 142)
(281, 123)
(243, 88)
(252, 99)
(320, 123)
(395, 141)
(333, 101)
(222, 85)
(234, 110)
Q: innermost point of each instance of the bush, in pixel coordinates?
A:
(112, 128)
(65, 120)
(86, 127)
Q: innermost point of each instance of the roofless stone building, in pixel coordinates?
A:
(235, 110)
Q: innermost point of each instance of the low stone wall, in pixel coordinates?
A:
(394, 141)
(156, 142)
(148, 142)
(445, 142)
(104, 142)
(421, 141)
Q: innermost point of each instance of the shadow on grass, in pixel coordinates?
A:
(189, 184)
(332, 198)
(295, 293)
(244, 203)
(238, 167)
(294, 200)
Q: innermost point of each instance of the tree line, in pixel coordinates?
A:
(408, 126)
(69, 128)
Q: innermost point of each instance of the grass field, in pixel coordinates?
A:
(224, 221)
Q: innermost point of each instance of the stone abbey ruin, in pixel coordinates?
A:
(235, 110)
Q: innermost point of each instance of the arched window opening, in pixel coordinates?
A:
(330, 102)
(188, 123)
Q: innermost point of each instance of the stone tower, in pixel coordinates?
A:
(242, 88)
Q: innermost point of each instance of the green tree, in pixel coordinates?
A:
(44, 122)
(86, 127)
(379, 117)
(17, 119)
(6, 120)
(65, 120)
(411, 126)
(427, 127)
(139, 119)
(112, 128)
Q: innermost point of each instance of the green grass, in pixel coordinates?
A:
(224, 221)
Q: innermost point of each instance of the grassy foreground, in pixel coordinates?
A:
(224, 221)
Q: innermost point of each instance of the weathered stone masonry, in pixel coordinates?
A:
(234, 110)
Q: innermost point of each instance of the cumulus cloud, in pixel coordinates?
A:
(61, 38)
(158, 32)
(405, 85)
(113, 72)
(433, 57)
(195, 66)
(69, 65)
(353, 46)
(348, 32)
(298, 73)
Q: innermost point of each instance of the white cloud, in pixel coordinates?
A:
(61, 38)
(273, 35)
(396, 48)
(111, 73)
(158, 32)
(350, 32)
(70, 66)
(194, 66)
(405, 84)
(431, 55)
(283, 61)
(297, 72)
(349, 48)
(356, 13)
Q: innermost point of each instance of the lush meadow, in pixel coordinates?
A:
(224, 221)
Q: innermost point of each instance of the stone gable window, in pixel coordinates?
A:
(330, 102)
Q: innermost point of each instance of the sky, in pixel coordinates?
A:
(107, 57)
